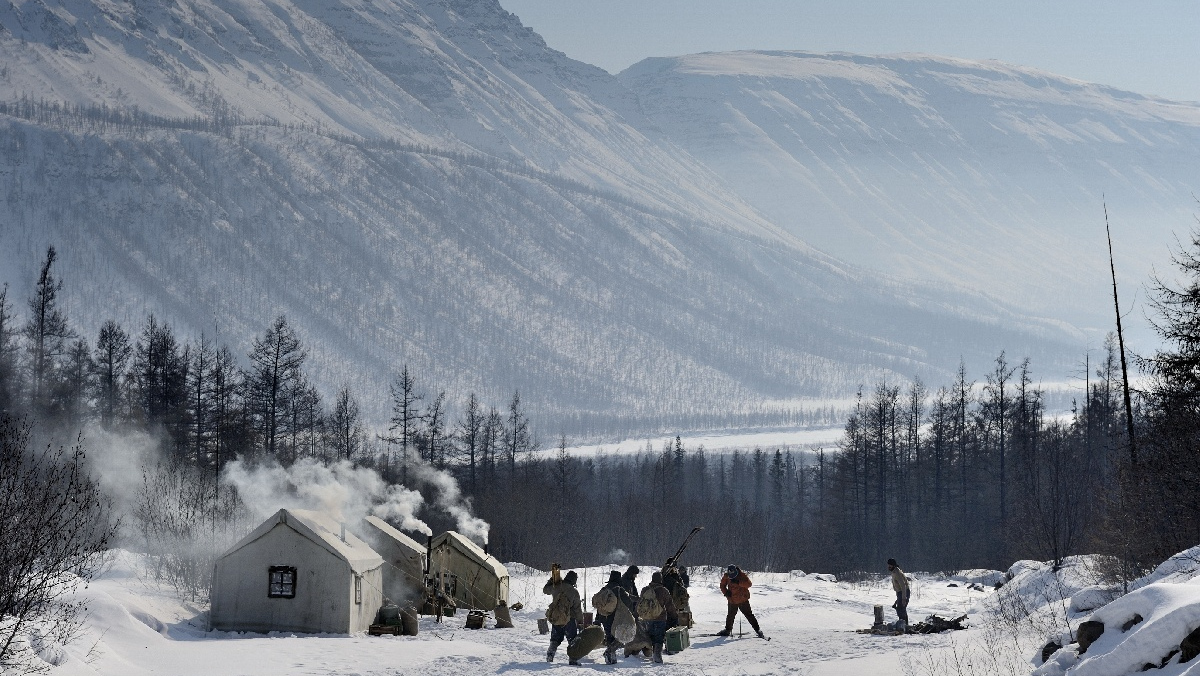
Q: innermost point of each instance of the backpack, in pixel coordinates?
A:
(605, 601)
(648, 607)
(559, 612)
(680, 597)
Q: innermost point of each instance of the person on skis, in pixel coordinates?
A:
(735, 585)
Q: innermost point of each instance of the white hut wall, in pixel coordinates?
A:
(321, 604)
(477, 586)
(362, 614)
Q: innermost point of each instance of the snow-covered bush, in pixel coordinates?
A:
(56, 526)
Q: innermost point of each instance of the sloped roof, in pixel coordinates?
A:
(472, 551)
(405, 542)
(321, 529)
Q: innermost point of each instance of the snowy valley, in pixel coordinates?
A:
(274, 273)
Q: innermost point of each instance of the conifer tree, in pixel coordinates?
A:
(276, 363)
(46, 333)
(110, 359)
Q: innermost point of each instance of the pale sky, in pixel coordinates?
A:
(1147, 46)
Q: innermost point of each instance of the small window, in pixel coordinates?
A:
(358, 589)
(282, 583)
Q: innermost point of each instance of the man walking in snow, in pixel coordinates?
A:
(900, 586)
(657, 625)
(565, 613)
(629, 584)
(675, 579)
(735, 585)
(611, 595)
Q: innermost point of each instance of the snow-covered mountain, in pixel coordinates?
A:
(979, 173)
(426, 182)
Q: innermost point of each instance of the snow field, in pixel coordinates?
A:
(139, 627)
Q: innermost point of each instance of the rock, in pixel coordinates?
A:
(1049, 649)
(1190, 646)
(1132, 621)
(952, 585)
(1087, 634)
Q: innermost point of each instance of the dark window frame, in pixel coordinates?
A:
(283, 586)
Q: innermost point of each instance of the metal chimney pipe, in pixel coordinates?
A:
(343, 535)
(428, 555)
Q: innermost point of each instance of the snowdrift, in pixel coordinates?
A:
(1156, 626)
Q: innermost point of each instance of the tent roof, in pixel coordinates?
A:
(406, 543)
(472, 551)
(321, 529)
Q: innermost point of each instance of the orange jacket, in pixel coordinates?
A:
(737, 591)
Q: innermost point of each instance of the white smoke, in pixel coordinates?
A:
(448, 497)
(617, 556)
(341, 490)
(119, 460)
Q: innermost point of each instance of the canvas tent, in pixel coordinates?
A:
(403, 559)
(297, 572)
(473, 577)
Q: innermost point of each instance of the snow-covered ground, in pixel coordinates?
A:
(138, 627)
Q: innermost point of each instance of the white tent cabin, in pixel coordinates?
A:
(299, 571)
(472, 576)
(403, 557)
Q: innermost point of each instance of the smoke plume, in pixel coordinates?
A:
(448, 497)
(341, 490)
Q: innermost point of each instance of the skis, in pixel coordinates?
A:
(763, 637)
(675, 559)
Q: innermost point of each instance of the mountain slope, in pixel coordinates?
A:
(427, 183)
(978, 173)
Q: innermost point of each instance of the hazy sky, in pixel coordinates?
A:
(1147, 46)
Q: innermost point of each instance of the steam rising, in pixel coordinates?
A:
(341, 490)
(449, 497)
(349, 493)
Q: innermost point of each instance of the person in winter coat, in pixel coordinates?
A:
(565, 612)
(656, 627)
(675, 579)
(606, 621)
(629, 584)
(903, 591)
(735, 585)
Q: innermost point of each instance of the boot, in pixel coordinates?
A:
(724, 632)
(658, 654)
(550, 653)
(759, 632)
(610, 654)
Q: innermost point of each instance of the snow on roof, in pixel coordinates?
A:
(400, 538)
(321, 529)
(473, 551)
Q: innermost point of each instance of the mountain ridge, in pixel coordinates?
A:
(526, 235)
(929, 166)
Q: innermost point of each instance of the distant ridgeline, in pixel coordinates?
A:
(499, 217)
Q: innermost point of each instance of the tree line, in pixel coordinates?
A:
(974, 473)
(207, 407)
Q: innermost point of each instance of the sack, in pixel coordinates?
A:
(648, 607)
(605, 601)
(559, 612)
(588, 640)
(624, 627)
